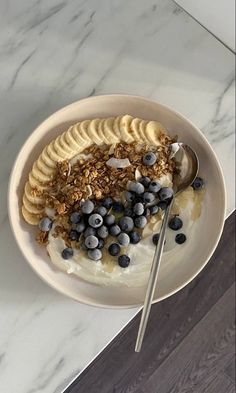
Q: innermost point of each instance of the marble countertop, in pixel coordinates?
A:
(53, 53)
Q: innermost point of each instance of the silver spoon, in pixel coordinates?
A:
(187, 164)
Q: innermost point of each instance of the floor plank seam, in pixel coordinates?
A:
(229, 378)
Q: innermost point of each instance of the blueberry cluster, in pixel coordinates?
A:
(175, 223)
(94, 223)
(123, 221)
(143, 199)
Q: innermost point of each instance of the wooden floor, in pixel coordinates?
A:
(189, 345)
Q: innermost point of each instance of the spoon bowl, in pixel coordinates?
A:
(187, 165)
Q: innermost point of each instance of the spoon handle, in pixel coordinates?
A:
(152, 280)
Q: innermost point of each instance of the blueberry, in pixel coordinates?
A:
(118, 207)
(154, 209)
(145, 181)
(129, 196)
(123, 239)
(67, 253)
(91, 242)
(107, 202)
(95, 254)
(128, 212)
(138, 198)
(136, 187)
(89, 231)
(114, 230)
(134, 237)
(102, 210)
(114, 249)
(165, 194)
(87, 207)
(140, 222)
(149, 158)
(126, 224)
(45, 224)
(148, 197)
(102, 232)
(74, 235)
(180, 238)
(75, 217)
(162, 205)
(155, 238)
(80, 227)
(198, 183)
(138, 209)
(101, 244)
(175, 223)
(109, 219)
(95, 220)
(123, 261)
(154, 186)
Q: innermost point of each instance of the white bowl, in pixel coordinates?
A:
(189, 260)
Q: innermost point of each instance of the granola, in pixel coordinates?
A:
(70, 184)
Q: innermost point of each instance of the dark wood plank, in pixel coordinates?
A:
(220, 384)
(209, 346)
(230, 369)
(118, 369)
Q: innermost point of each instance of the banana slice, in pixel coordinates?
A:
(134, 129)
(65, 145)
(142, 130)
(36, 184)
(101, 132)
(153, 131)
(44, 168)
(82, 132)
(108, 131)
(59, 150)
(78, 134)
(37, 200)
(126, 135)
(31, 207)
(116, 127)
(39, 175)
(32, 219)
(47, 159)
(53, 154)
(70, 139)
(93, 131)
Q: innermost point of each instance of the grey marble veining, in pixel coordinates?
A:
(53, 53)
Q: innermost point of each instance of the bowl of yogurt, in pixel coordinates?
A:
(91, 184)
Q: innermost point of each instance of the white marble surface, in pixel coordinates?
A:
(55, 52)
(217, 16)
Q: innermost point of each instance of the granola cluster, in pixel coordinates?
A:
(93, 178)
